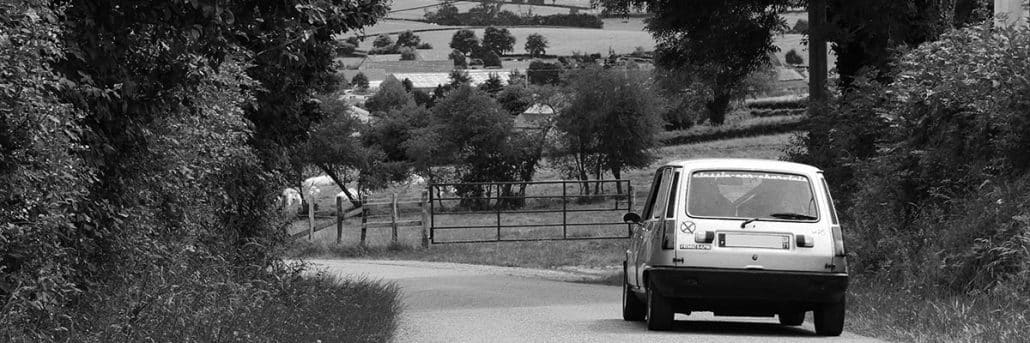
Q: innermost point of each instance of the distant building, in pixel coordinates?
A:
(536, 117)
(429, 81)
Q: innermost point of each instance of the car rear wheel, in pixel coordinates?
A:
(632, 308)
(792, 318)
(829, 320)
(659, 312)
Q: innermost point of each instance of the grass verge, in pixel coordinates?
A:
(879, 310)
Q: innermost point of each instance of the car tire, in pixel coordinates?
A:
(659, 311)
(633, 309)
(792, 318)
(829, 319)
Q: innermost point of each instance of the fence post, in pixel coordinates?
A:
(393, 217)
(364, 221)
(425, 218)
(311, 217)
(339, 219)
(564, 212)
(629, 207)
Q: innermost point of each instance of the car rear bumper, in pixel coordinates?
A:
(714, 285)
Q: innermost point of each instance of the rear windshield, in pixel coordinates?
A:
(748, 194)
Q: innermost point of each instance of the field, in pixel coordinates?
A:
(765, 147)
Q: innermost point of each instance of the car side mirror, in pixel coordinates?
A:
(631, 218)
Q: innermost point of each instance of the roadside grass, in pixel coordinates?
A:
(876, 309)
(324, 308)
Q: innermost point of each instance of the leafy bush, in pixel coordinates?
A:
(386, 50)
(408, 54)
(793, 57)
(382, 41)
(933, 168)
(543, 73)
(479, 16)
(424, 46)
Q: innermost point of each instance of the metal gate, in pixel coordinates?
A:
(528, 211)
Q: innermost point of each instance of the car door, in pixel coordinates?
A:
(652, 223)
(640, 231)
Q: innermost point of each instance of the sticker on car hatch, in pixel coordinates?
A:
(696, 246)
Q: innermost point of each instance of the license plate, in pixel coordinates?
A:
(760, 241)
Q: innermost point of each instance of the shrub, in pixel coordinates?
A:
(543, 73)
(382, 41)
(491, 59)
(935, 182)
(346, 49)
(793, 57)
(424, 46)
(408, 39)
(387, 50)
(408, 54)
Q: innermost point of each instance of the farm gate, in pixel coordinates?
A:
(528, 211)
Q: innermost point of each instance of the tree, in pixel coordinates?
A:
(465, 41)
(516, 98)
(490, 59)
(536, 45)
(446, 14)
(493, 84)
(459, 59)
(611, 123)
(391, 95)
(146, 161)
(719, 43)
(360, 82)
(408, 85)
(469, 130)
(543, 73)
(794, 58)
(383, 41)
(408, 39)
(498, 40)
(864, 37)
(334, 146)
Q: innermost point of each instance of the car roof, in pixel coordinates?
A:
(744, 164)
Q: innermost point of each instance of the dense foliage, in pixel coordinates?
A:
(143, 146)
(717, 43)
(932, 168)
(489, 13)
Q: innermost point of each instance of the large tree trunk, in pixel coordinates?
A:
(339, 182)
(717, 108)
(617, 174)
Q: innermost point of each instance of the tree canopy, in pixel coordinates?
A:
(536, 44)
(498, 40)
(465, 41)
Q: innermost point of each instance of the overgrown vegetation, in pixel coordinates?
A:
(931, 173)
(143, 145)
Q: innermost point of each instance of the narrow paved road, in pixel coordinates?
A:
(447, 302)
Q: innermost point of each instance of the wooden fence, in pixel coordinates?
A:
(375, 213)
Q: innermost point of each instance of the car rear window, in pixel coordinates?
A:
(751, 194)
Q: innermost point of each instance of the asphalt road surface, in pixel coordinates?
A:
(447, 302)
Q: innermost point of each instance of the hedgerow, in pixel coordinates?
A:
(932, 169)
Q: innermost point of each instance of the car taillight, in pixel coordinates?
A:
(838, 241)
(704, 236)
(669, 234)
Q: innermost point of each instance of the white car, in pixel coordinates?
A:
(736, 237)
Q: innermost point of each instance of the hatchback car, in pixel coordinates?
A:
(736, 237)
